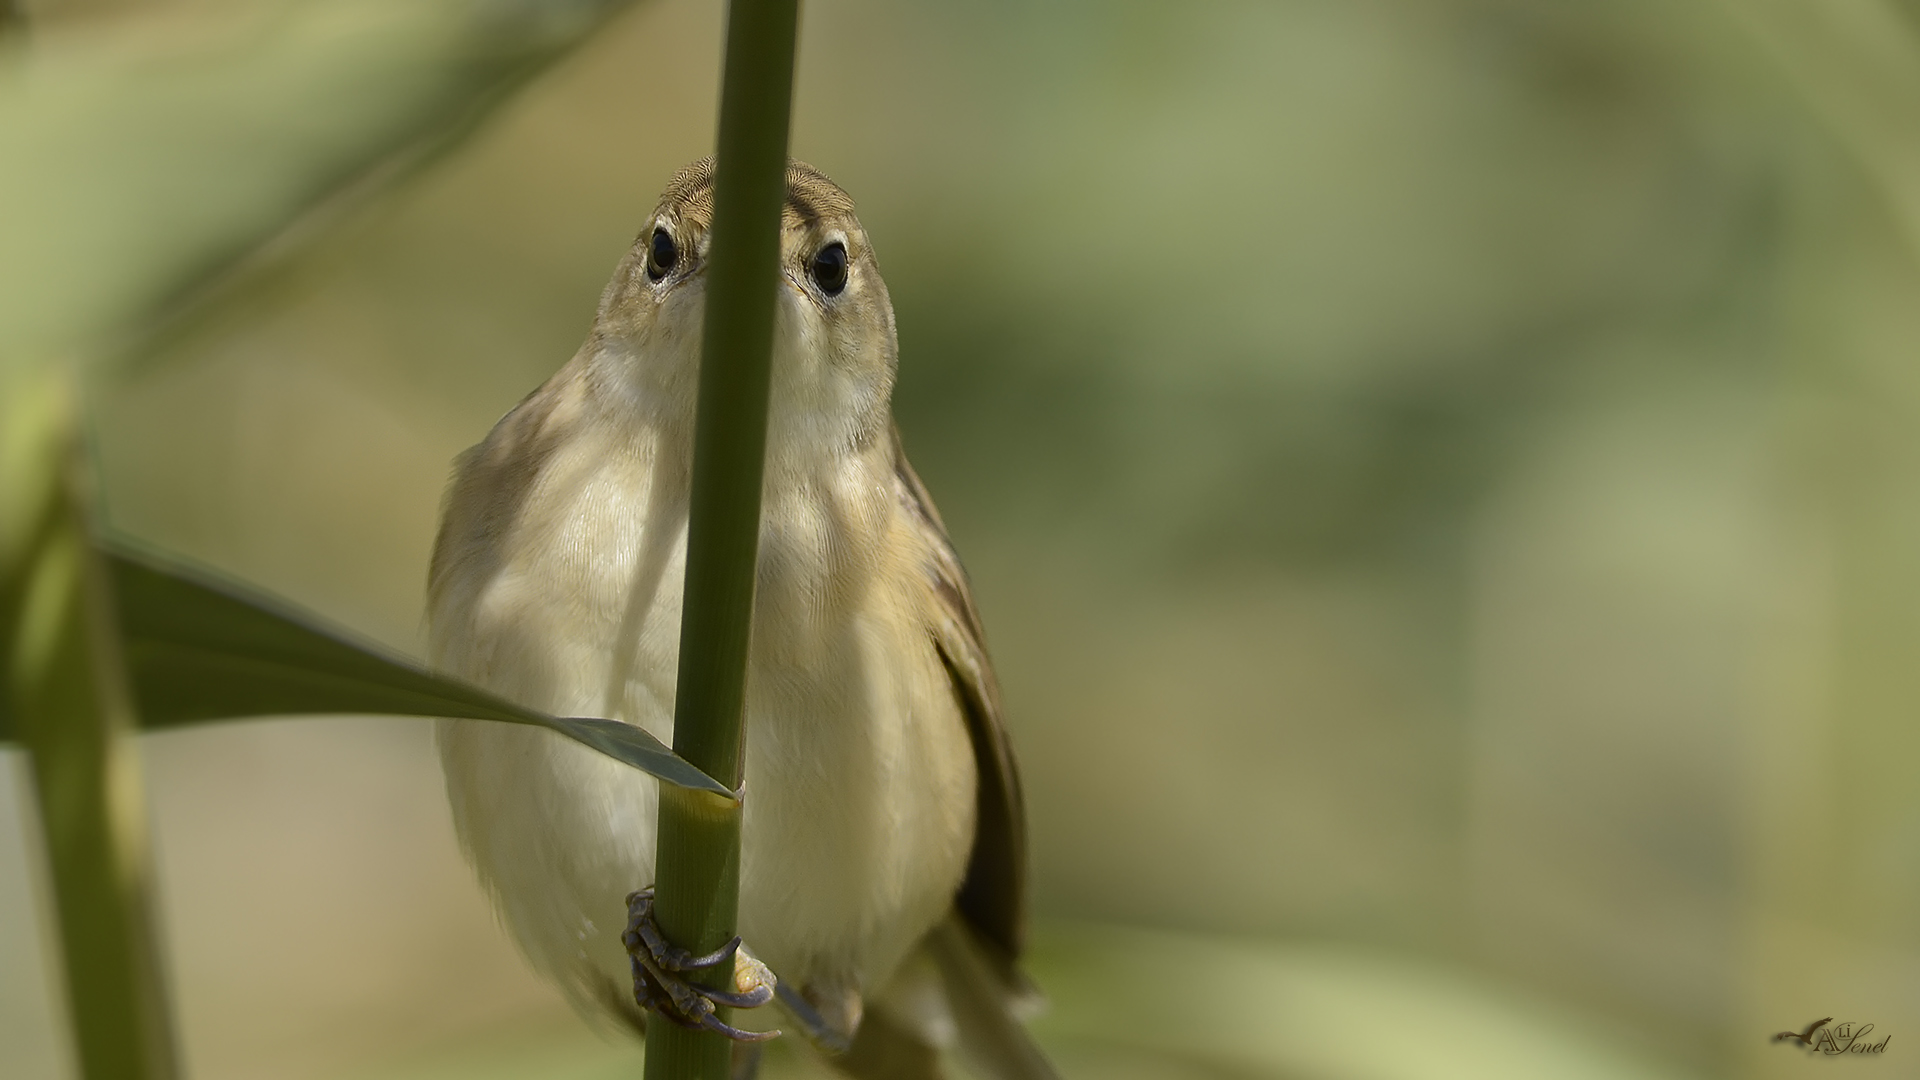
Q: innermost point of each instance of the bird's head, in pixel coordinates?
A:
(834, 349)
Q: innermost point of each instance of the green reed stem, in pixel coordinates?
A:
(697, 878)
(67, 694)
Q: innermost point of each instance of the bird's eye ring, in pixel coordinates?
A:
(829, 268)
(661, 254)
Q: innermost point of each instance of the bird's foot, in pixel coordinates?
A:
(659, 985)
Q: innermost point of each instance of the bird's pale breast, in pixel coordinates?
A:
(558, 584)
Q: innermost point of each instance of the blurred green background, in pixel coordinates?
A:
(1442, 479)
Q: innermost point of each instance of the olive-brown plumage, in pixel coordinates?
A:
(883, 846)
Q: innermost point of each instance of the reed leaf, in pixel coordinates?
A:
(200, 648)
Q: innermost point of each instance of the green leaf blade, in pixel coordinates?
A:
(637, 747)
(199, 648)
(203, 650)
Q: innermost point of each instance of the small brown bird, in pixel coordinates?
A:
(883, 860)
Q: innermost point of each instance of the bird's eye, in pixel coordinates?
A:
(661, 255)
(829, 268)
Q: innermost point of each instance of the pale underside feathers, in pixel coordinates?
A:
(883, 863)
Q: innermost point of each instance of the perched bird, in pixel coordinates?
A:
(882, 871)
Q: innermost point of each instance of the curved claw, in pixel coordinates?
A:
(714, 1023)
(752, 999)
(682, 961)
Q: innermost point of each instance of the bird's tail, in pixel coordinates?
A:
(954, 993)
(987, 1001)
(959, 994)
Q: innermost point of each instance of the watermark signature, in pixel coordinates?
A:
(1826, 1037)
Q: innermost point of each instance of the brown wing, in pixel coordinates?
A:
(993, 897)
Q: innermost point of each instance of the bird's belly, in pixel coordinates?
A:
(859, 806)
(858, 809)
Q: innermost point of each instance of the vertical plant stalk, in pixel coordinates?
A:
(68, 695)
(697, 876)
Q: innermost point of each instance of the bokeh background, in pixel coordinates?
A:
(1442, 479)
